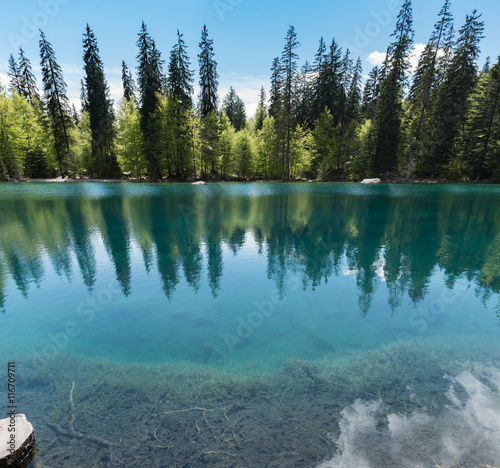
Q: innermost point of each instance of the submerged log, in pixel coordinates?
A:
(17, 440)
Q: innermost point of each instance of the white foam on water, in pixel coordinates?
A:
(466, 433)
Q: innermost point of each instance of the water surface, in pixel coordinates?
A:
(250, 281)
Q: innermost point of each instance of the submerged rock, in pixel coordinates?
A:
(371, 181)
(200, 182)
(17, 439)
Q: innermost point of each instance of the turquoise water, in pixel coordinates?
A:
(239, 279)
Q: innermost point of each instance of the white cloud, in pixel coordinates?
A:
(376, 58)
(461, 432)
(415, 56)
(246, 86)
(4, 79)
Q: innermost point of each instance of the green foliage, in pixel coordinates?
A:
(129, 139)
(244, 154)
(234, 108)
(319, 122)
(208, 76)
(57, 105)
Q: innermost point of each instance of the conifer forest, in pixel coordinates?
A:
(323, 118)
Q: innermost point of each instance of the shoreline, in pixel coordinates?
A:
(165, 181)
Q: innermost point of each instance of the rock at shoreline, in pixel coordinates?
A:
(16, 451)
(200, 182)
(371, 181)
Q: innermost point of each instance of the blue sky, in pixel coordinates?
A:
(247, 34)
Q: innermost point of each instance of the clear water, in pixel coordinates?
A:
(238, 281)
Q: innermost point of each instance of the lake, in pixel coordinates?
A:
(254, 324)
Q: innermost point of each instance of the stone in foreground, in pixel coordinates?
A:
(200, 182)
(371, 181)
(16, 451)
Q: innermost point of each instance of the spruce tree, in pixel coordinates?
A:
(287, 119)
(234, 108)
(100, 109)
(452, 99)
(15, 77)
(371, 92)
(150, 82)
(331, 81)
(127, 82)
(319, 85)
(180, 77)
(304, 97)
(27, 80)
(387, 119)
(483, 126)
(261, 113)
(275, 98)
(208, 76)
(426, 78)
(56, 103)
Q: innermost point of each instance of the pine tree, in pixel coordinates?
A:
(15, 76)
(100, 109)
(180, 77)
(287, 119)
(234, 108)
(319, 85)
(427, 77)
(275, 99)
(127, 82)
(331, 82)
(352, 116)
(29, 89)
(371, 92)
(387, 119)
(208, 76)
(261, 113)
(483, 125)
(452, 99)
(56, 103)
(304, 97)
(150, 81)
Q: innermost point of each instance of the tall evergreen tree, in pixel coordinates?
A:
(100, 109)
(180, 77)
(304, 97)
(275, 98)
(331, 82)
(234, 108)
(261, 113)
(387, 121)
(208, 76)
(56, 103)
(427, 77)
(15, 76)
(319, 85)
(27, 80)
(150, 81)
(127, 82)
(452, 99)
(287, 121)
(371, 92)
(483, 126)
